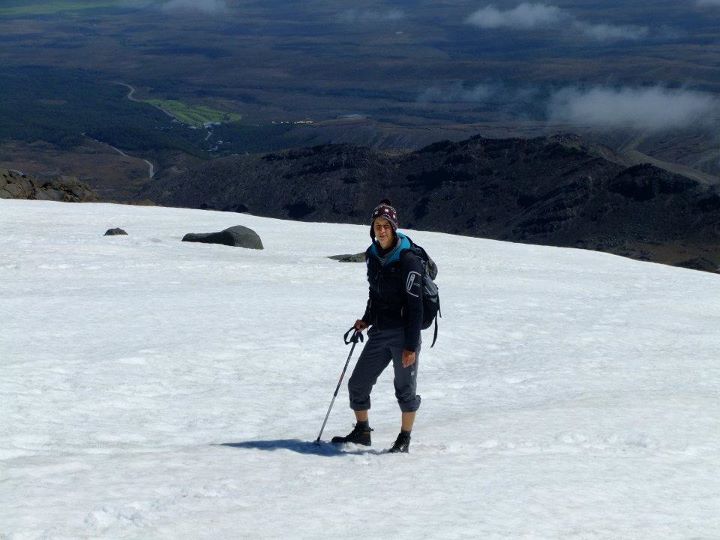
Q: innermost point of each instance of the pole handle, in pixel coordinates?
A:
(355, 337)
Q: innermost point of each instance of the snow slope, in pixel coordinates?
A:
(157, 389)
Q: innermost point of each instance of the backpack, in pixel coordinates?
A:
(431, 295)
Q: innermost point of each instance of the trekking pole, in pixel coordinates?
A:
(357, 335)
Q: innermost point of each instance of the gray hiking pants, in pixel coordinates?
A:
(382, 347)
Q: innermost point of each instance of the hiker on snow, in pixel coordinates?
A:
(394, 315)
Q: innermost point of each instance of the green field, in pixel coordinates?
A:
(58, 6)
(63, 106)
(193, 116)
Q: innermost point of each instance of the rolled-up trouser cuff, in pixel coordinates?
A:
(410, 406)
(362, 406)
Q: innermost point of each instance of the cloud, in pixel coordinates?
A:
(653, 109)
(523, 17)
(370, 16)
(610, 32)
(457, 93)
(202, 6)
(532, 16)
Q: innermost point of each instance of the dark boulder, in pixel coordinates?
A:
(237, 236)
(115, 232)
(358, 257)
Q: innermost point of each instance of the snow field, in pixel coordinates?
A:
(159, 389)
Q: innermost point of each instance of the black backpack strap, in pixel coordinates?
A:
(435, 332)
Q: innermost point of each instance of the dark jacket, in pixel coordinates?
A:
(395, 290)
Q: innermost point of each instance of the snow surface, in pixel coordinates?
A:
(152, 388)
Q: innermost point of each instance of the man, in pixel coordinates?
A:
(394, 315)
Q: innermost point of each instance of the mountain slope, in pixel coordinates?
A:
(158, 389)
(553, 191)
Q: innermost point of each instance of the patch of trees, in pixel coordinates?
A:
(58, 106)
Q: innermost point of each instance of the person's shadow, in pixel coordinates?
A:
(301, 447)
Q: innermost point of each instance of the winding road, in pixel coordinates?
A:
(130, 96)
(131, 91)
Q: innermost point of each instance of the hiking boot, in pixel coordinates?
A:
(359, 435)
(402, 444)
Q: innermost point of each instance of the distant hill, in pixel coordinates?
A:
(16, 185)
(556, 190)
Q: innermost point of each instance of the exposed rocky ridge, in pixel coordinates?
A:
(16, 185)
(555, 191)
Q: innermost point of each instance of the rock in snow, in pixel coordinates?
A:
(357, 257)
(237, 236)
(115, 232)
